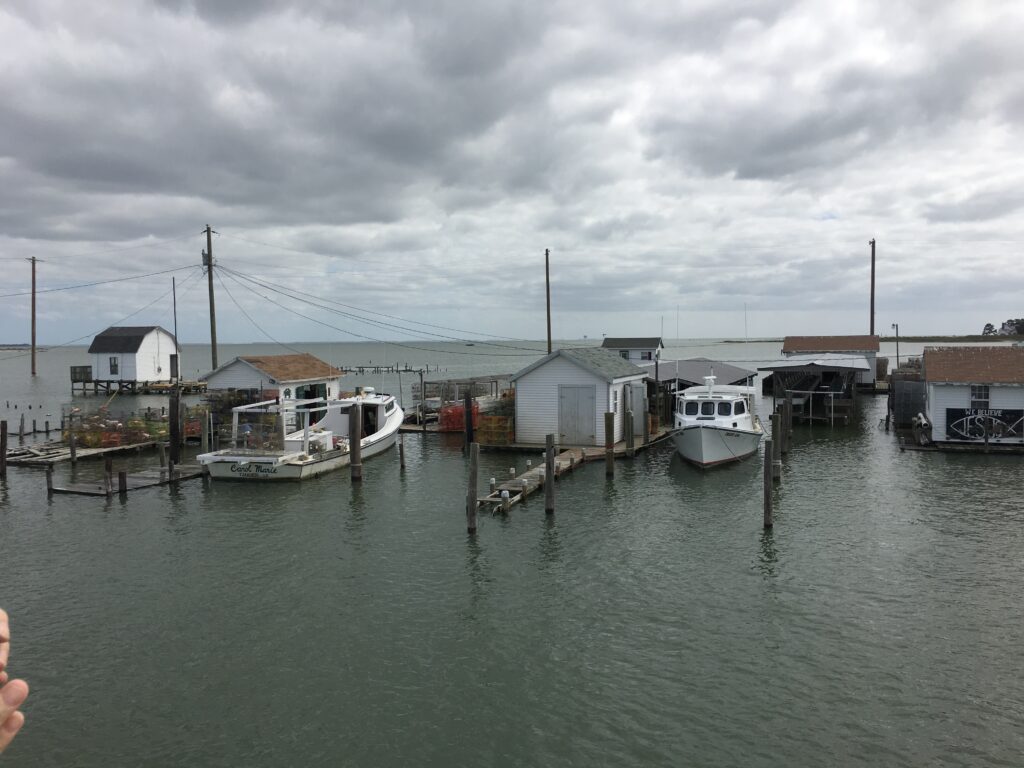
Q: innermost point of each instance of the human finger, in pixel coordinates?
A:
(12, 696)
(5, 639)
(9, 729)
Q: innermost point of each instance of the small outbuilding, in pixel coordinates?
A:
(853, 346)
(567, 393)
(634, 349)
(297, 376)
(130, 355)
(974, 394)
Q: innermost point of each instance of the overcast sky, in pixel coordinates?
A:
(682, 161)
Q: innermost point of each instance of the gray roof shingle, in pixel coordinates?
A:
(603, 363)
(121, 339)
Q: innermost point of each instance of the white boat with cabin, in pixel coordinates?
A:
(314, 434)
(716, 424)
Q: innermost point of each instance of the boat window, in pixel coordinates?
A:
(707, 408)
(724, 409)
(692, 408)
(389, 407)
(739, 407)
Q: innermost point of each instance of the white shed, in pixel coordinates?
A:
(132, 354)
(646, 348)
(567, 393)
(974, 392)
(291, 376)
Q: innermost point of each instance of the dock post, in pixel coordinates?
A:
(204, 432)
(122, 483)
(3, 449)
(630, 438)
(423, 405)
(174, 425)
(609, 444)
(467, 402)
(777, 447)
(49, 480)
(108, 475)
(170, 471)
(401, 451)
(493, 485)
(355, 441)
(549, 475)
(72, 445)
(768, 483)
(645, 415)
(46, 426)
(506, 502)
(33, 426)
(471, 494)
(163, 454)
(511, 473)
(21, 427)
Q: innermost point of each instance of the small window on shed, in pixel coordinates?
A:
(979, 396)
(724, 409)
(287, 393)
(647, 355)
(691, 408)
(707, 408)
(113, 365)
(624, 353)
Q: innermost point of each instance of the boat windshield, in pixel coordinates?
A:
(724, 409)
(707, 408)
(691, 408)
(739, 407)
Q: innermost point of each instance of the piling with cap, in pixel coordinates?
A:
(355, 441)
(609, 444)
(768, 483)
(549, 474)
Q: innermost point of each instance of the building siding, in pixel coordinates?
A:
(942, 396)
(537, 400)
(241, 375)
(154, 352)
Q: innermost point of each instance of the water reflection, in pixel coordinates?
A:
(768, 554)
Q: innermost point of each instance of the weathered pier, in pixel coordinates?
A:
(55, 452)
(504, 495)
(124, 482)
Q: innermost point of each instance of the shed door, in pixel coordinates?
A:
(577, 414)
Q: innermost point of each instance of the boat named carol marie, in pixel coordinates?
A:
(715, 425)
(307, 437)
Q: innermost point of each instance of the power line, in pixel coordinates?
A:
(248, 316)
(97, 282)
(116, 322)
(371, 338)
(472, 334)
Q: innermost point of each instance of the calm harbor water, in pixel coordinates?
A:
(651, 622)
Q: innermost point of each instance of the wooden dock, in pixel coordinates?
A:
(524, 484)
(54, 452)
(124, 482)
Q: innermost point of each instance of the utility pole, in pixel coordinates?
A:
(33, 260)
(871, 242)
(547, 286)
(177, 346)
(208, 263)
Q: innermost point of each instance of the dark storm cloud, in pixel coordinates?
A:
(452, 142)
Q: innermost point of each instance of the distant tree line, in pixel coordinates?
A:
(1010, 327)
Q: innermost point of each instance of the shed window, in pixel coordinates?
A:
(647, 355)
(979, 396)
(624, 354)
(615, 401)
(691, 408)
(707, 408)
(724, 409)
(113, 365)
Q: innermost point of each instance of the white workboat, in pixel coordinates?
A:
(715, 424)
(315, 437)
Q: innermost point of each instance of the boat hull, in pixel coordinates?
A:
(709, 446)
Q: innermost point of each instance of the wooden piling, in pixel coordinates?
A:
(492, 485)
(471, 490)
(170, 471)
(33, 426)
(401, 451)
(163, 454)
(768, 483)
(609, 444)
(506, 502)
(108, 475)
(777, 447)
(21, 426)
(355, 441)
(73, 447)
(630, 439)
(3, 449)
(122, 483)
(174, 423)
(49, 480)
(467, 403)
(549, 475)
(204, 432)
(46, 426)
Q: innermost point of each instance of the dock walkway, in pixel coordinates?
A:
(525, 483)
(54, 452)
(146, 478)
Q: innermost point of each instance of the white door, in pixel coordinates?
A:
(577, 414)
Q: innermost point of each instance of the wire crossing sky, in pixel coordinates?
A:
(408, 163)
